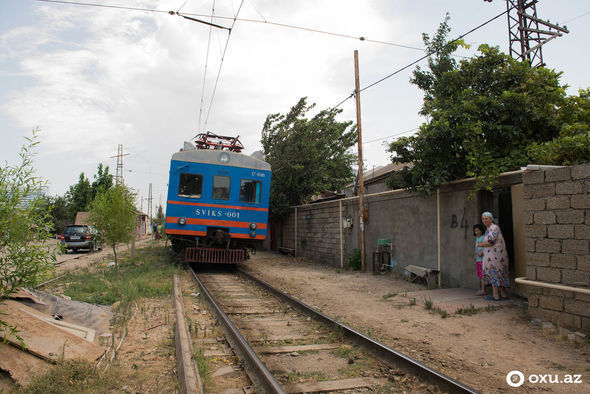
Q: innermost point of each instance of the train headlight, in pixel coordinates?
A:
(223, 158)
(253, 233)
(252, 226)
(182, 221)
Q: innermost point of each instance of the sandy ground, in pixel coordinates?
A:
(478, 349)
(74, 260)
(145, 360)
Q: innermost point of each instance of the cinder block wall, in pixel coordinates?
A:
(557, 209)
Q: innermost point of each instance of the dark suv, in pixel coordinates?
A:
(80, 237)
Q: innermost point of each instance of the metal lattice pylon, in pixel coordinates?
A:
(525, 36)
(119, 174)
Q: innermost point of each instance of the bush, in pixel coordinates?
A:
(354, 260)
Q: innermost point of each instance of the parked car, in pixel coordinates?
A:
(80, 237)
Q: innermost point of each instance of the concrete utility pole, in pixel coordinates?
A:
(150, 211)
(362, 212)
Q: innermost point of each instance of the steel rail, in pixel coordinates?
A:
(255, 368)
(385, 353)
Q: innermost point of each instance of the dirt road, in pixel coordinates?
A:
(478, 349)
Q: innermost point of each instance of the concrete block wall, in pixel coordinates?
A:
(557, 218)
(319, 233)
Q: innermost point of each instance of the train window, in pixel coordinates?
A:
(190, 185)
(221, 187)
(250, 191)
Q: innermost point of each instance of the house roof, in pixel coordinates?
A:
(380, 173)
(81, 218)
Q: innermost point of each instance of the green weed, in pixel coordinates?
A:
(74, 376)
(469, 311)
(388, 296)
(151, 278)
(203, 366)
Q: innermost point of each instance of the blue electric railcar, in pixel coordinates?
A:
(217, 208)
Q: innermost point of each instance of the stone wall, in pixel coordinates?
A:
(407, 219)
(318, 232)
(557, 218)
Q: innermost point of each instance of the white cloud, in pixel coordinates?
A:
(93, 78)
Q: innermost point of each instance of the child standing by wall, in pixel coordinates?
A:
(478, 231)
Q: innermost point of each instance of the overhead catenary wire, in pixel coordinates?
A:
(428, 54)
(205, 71)
(221, 63)
(187, 15)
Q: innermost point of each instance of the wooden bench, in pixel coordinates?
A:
(287, 251)
(431, 275)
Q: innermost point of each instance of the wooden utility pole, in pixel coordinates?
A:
(362, 213)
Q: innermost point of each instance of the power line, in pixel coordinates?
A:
(104, 6)
(205, 71)
(221, 63)
(428, 54)
(393, 135)
(577, 17)
(264, 21)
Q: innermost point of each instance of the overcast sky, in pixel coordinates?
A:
(93, 77)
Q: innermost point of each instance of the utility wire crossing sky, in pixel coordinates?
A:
(92, 75)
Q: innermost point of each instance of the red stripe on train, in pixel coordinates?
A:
(211, 222)
(203, 233)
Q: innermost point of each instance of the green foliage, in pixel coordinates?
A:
(113, 214)
(484, 113)
(103, 181)
(572, 146)
(102, 285)
(82, 193)
(58, 207)
(25, 224)
(160, 218)
(79, 197)
(307, 156)
(74, 376)
(354, 260)
(433, 82)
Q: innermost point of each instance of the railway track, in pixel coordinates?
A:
(287, 346)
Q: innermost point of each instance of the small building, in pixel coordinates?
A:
(375, 179)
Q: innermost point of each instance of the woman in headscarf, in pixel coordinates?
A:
(495, 258)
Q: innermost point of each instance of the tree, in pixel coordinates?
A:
(572, 145)
(113, 214)
(25, 223)
(59, 213)
(79, 197)
(484, 113)
(102, 180)
(82, 193)
(307, 156)
(160, 218)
